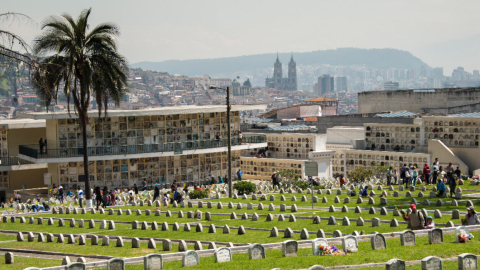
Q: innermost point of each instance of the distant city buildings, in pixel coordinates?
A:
(390, 85)
(341, 84)
(278, 81)
(324, 85)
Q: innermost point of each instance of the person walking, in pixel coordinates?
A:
(105, 197)
(414, 176)
(240, 137)
(426, 173)
(98, 196)
(402, 173)
(80, 197)
(239, 175)
(274, 179)
(434, 175)
(408, 177)
(449, 170)
(395, 176)
(135, 188)
(453, 185)
(156, 192)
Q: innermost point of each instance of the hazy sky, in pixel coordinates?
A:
(434, 30)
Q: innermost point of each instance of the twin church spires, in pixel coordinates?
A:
(278, 81)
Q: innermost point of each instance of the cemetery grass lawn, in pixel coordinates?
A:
(6, 237)
(25, 262)
(274, 258)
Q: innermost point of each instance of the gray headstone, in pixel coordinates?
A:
(337, 234)
(105, 240)
(431, 263)
(20, 237)
(346, 221)
(288, 233)
(226, 229)
(81, 240)
(167, 245)
(460, 231)
(135, 242)
(435, 236)
(408, 238)
(466, 261)
(119, 241)
(290, 248)
(256, 252)
(376, 222)
(350, 244)
(212, 228)
(152, 244)
(198, 245)
(65, 260)
(116, 264)
(60, 239)
(186, 227)
(360, 222)
(241, 230)
(274, 232)
(153, 261)
(395, 264)
(94, 240)
(199, 228)
(190, 258)
(70, 239)
(41, 238)
(304, 234)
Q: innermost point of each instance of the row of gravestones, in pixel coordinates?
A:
(94, 241)
(110, 224)
(465, 261)
(189, 258)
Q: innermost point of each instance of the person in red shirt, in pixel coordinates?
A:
(426, 173)
(342, 181)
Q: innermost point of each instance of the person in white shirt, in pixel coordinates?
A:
(80, 197)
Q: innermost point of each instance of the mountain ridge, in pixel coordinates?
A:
(376, 58)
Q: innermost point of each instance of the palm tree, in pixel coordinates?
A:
(87, 65)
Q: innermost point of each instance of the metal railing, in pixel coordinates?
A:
(12, 161)
(34, 151)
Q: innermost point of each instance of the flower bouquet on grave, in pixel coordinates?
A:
(462, 238)
(404, 214)
(329, 251)
(197, 215)
(263, 198)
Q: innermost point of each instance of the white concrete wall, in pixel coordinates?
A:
(345, 135)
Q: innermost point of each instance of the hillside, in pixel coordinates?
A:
(376, 58)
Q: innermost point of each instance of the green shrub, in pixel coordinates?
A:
(245, 187)
(300, 184)
(197, 194)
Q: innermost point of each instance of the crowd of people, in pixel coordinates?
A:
(434, 175)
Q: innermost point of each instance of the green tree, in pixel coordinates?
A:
(247, 83)
(363, 173)
(235, 83)
(86, 63)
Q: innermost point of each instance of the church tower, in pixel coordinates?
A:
(292, 74)
(277, 72)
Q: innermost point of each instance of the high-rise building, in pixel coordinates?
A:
(341, 83)
(390, 85)
(324, 85)
(280, 83)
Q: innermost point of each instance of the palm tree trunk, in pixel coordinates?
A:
(83, 122)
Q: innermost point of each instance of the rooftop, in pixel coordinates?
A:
(22, 123)
(396, 114)
(322, 99)
(188, 109)
(290, 128)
